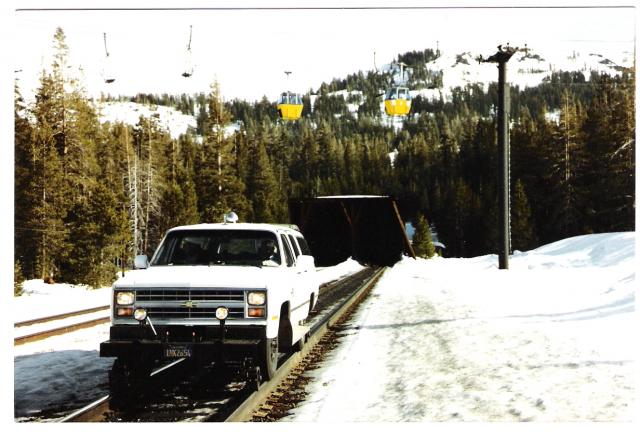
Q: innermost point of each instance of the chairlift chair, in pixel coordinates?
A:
(107, 72)
(188, 66)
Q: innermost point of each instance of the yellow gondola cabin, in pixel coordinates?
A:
(290, 106)
(397, 101)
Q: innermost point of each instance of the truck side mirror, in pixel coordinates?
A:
(305, 262)
(141, 262)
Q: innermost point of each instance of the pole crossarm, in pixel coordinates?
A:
(503, 54)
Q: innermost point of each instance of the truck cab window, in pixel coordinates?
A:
(294, 245)
(287, 251)
(304, 247)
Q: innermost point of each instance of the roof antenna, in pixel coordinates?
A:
(230, 217)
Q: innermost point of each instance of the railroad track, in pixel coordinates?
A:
(233, 403)
(62, 329)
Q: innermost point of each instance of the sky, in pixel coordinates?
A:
(248, 50)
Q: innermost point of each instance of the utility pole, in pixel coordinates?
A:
(504, 208)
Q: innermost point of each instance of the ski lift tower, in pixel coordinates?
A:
(504, 209)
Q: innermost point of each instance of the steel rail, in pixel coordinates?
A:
(21, 340)
(60, 316)
(91, 412)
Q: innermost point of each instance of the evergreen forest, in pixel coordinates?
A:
(90, 195)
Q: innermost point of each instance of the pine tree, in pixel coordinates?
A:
(522, 234)
(534, 162)
(262, 186)
(305, 164)
(23, 162)
(568, 162)
(18, 278)
(219, 187)
(422, 243)
(46, 193)
(97, 240)
(178, 200)
(601, 145)
(619, 214)
(624, 155)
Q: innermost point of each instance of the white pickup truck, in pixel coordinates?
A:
(213, 293)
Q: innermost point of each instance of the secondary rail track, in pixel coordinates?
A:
(61, 329)
(61, 316)
(231, 401)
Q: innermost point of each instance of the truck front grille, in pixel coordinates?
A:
(177, 303)
(172, 294)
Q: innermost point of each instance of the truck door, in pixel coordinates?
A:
(298, 293)
(306, 278)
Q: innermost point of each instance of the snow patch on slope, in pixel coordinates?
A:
(169, 119)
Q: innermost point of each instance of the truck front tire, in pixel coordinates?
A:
(269, 358)
(126, 380)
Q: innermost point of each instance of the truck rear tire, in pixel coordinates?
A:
(298, 346)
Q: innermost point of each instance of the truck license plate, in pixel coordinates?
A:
(177, 351)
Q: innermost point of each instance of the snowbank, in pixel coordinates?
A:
(329, 274)
(460, 340)
(40, 299)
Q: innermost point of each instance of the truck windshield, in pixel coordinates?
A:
(218, 247)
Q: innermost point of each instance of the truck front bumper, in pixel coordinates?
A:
(203, 342)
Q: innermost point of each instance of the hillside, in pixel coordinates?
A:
(434, 77)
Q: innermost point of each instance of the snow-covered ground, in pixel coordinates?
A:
(549, 340)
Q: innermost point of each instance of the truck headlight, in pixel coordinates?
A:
(125, 298)
(222, 313)
(140, 314)
(256, 298)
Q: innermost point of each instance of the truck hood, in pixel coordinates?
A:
(199, 276)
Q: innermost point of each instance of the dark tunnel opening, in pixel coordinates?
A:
(367, 228)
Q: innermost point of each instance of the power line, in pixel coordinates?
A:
(329, 8)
